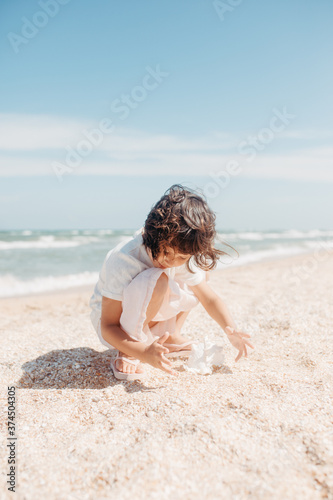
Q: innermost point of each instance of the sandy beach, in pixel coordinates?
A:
(261, 428)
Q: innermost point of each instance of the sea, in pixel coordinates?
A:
(34, 262)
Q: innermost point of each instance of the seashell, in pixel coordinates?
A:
(204, 355)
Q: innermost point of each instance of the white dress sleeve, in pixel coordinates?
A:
(117, 272)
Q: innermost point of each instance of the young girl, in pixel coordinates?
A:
(147, 287)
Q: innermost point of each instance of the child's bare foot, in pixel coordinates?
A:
(124, 367)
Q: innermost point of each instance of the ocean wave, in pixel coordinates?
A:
(251, 236)
(319, 244)
(11, 286)
(101, 232)
(271, 254)
(104, 231)
(291, 234)
(47, 242)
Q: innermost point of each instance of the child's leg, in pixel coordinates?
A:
(157, 298)
(175, 337)
(152, 309)
(181, 317)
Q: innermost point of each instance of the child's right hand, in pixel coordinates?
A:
(154, 355)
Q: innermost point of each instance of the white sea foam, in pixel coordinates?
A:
(272, 253)
(11, 286)
(105, 231)
(101, 232)
(251, 236)
(318, 244)
(247, 235)
(296, 234)
(283, 235)
(46, 242)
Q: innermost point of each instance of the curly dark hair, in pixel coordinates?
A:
(182, 220)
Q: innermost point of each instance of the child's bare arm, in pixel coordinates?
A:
(213, 304)
(116, 336)
(217, 309)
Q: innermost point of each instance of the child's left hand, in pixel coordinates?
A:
(237, 339)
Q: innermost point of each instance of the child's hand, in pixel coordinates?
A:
(237, 339)
(154, 355)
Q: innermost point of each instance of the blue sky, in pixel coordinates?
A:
(104, 105)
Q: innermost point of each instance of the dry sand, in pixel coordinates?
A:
(261, 428)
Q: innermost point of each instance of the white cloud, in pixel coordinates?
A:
(315, 165)
(37, 132)
(42, 132)
(307, 135)
(130, 152)
(311, 165)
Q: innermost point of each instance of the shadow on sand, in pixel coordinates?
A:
(78, 368)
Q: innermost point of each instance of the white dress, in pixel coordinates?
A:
(128, 275)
